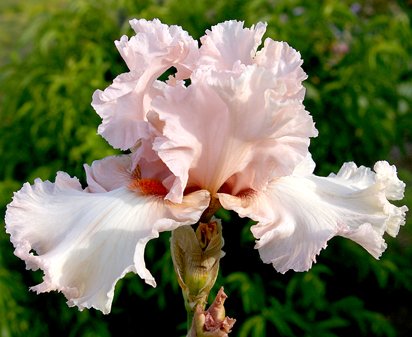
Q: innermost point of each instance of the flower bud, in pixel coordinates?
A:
(196, 257)
(213, 322)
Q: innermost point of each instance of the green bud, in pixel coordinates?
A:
(196, 257)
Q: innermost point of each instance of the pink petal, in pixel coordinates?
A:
(114, 172)
(122, 109)
(85, 242)
(285, 64)
(159, 45)
(109, 173)
(153, 50)
(229, 43)
(225, 124)
(151, 166)
(298, 214)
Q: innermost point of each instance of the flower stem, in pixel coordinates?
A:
(214, 206)
(190, 316)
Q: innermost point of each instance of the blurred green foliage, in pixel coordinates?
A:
(54, 54)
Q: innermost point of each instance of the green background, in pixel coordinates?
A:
(54, 54)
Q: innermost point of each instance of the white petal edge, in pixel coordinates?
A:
(297, 215)
(85, 242)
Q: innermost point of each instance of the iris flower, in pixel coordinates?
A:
(228, 128)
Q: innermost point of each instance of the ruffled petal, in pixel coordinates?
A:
(122, 109)
(154, 49)
(160, 46)
(298, 214)
(228, 43)
(85, 242)
(230, 124)
(285, 63)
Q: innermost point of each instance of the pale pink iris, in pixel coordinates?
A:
(237, 132)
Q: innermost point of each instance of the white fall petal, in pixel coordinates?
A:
(85, 242)
(298, 214)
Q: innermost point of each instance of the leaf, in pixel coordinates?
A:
(254, 326)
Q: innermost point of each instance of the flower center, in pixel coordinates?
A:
(146, 186)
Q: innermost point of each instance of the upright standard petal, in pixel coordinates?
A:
(229, 43)
(84, 242)
(154, 49)
(226, 125)
(298, 214)
(285, 64)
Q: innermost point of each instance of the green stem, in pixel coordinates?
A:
(190, 316)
